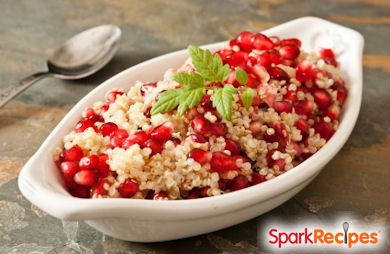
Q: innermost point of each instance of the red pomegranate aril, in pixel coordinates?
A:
(244, 41)
(103, 166)
(303, 71)
(84, 124)
(282, 106)
(303, 107)
(291, 41)
(328, 56)
(69, 169)
(111, 96)
(270, 138)
(303, 126)
(275, 56)
(280, 163)
(81, 192)
(322, 98)
(289, 52)
(232, 146)
(147, 88)
(137, 138)
(225, 54)
(221, 162)
(278, 74)
(162, 133)
(257, 178)
(118, 137)
(154, 145)
(280, 129)
(291, 95)
(238, 183)
(89, 162)
(261, 42)
(333, 112)
(264, 60)
(74, 153)
(222, 184)
(195, 193)
(238, 59)
(99, 189)
(219, 129)
(108, 128)
(297, 148)
(198, 138)
(128, 189)
(233, 43)
(341, 95)
(85, 177)
(252, 82)
(160, 196)
(325, 130)
(200, 156)
(275, 40)
(201, 126)
(91, 115)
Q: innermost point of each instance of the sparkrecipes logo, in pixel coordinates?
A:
(344, 236)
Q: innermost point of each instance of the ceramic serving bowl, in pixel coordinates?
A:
(148, 220)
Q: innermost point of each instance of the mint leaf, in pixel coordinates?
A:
(189, 97)
(189, 79)
(247, 97)
(206, 64)
(222, 100)
(167, 101)
(241, 76)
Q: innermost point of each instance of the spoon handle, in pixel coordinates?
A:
(10, 92)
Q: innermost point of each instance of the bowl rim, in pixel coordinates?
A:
(83, 208)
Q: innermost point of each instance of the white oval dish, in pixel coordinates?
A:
(151, 221)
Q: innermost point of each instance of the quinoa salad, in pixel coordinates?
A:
(223, 121)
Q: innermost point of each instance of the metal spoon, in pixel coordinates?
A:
(79, 57)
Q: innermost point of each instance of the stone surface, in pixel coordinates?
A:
(357, 180)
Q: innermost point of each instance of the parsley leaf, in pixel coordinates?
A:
(209, 67)
(241, 76)
(247, 97)
(167, 101)
(222, 100)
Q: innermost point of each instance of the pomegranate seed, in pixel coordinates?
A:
(238, 183)
(81, 192)
(89, 162)
(278, 74)
(252, 82)
(322, 98)
(275, 56)
(154, 145)
(275, 40)
(289, 52)
(280, 129)
(279, 163)
(333, 112)
(303, 71)
(128, 189)
(198, 138)
(238, 59)
(160, 196)
(261, 42)
(104, 108)
(103, 166)
(297, 148)
(147, 88)
(200, 156)
(99, 189)
(85, 177)
(201, 126)
(232, 146)
(69, 169)
(219, 129)
(137, 138)
(328, 56)
(91, 115)
(225, 54)
(291, 41)
(221, 162)
(118, 137)
(304, 107)
(270, 138)
(108, 128)
(162, 133)
(256, 100)
(233, 43)
(342, 95)
(325, 130)
(175, 141)
(111, 96)
(282, 106)
(74, 153)
(244, 41)
(257, 178)
(264, 60)
(303, 126)
(222, 184)
(84, 124)
(194, 193)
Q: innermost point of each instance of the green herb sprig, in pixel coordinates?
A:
(209, 68)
